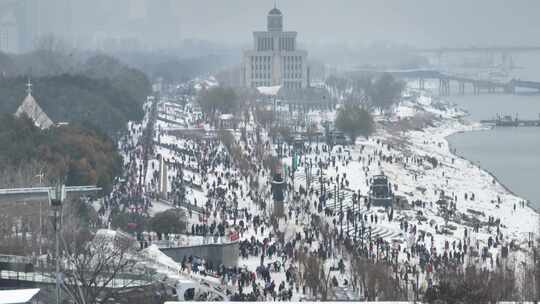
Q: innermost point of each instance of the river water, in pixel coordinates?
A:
(511, 154)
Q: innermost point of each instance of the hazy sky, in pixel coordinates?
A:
(415, 22)
(418, 22)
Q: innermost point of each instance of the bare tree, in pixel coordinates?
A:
(95, 265)
(532, 274)
(20, 229)
(311, 131)
(474, 286)
(98, 265)
(27, 175)
(315, 274)
(316, 271)
(375, 280)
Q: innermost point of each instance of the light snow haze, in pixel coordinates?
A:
(421, 23)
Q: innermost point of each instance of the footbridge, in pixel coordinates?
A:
(482, 49)
(43, 193)
(478, 85)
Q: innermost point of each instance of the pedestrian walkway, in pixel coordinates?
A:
(300, 179)
(376, 232)
(344, 202)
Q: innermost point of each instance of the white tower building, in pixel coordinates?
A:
(275, 60)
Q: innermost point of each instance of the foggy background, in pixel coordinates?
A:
(165, 23)
(214, 32)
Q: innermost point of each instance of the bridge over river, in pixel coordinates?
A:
(478, 84)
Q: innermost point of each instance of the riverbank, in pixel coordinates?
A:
(411, 147)
(507, 188)
(447, 198)
(510, 154)
(460, 176)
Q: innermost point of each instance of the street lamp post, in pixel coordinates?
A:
(320, 180)
(41, 176)
(362, 233)
(274, 109)
(308, 175)
(416, 288)
(355, 219)
(56, 198)
(335, 195)
(348, 217)
(340, 209)
(396, 254)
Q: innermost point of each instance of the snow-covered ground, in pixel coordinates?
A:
(412, 134)
(405, 146)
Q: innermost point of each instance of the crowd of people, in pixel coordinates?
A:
(272, 247)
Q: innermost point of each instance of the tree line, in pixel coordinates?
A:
(74, 99)
(361, 95)
(77, 154)
(75, 87)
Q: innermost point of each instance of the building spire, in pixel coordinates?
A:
(29, 87)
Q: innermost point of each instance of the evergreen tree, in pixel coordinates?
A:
(385, 92)
(354, 121)
(170, 221)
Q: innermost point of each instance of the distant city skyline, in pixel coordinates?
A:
(87, 24)
(164, 23)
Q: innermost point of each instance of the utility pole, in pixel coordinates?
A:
(274, 109)
(320, 181)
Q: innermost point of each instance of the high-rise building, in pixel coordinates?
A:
(30, 21)
(15, 28)
(275, 59)
(36, 19)
(9, 37)
(162, 20)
